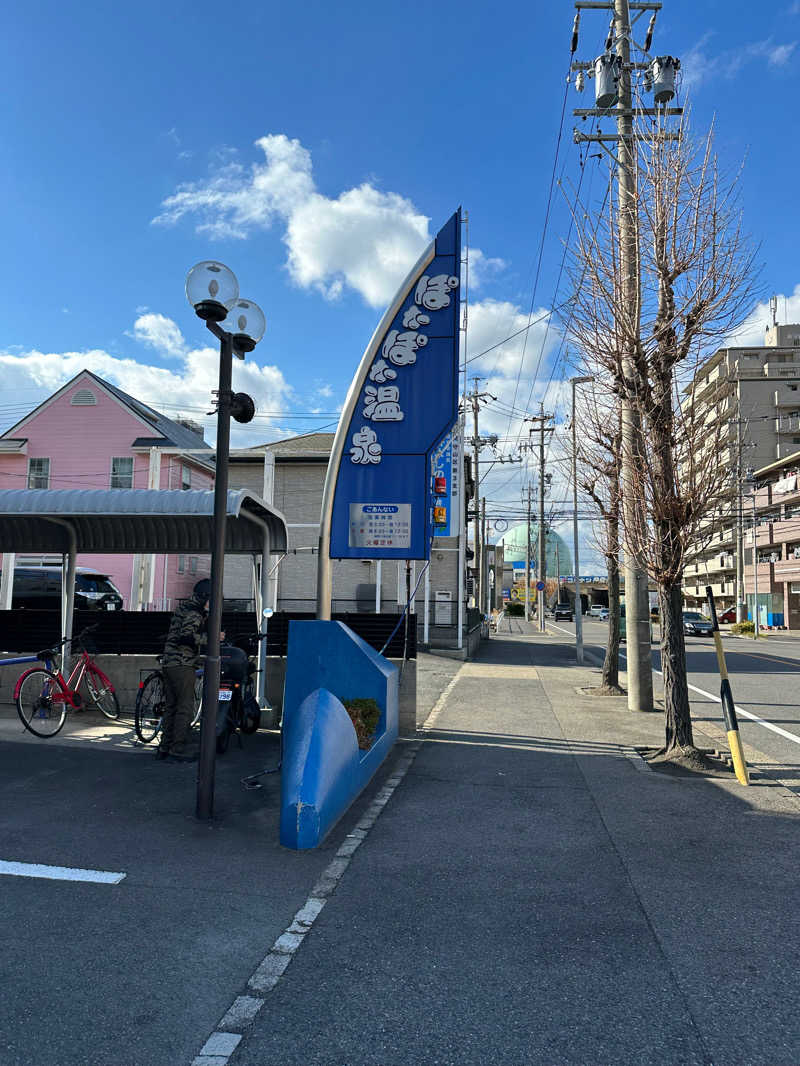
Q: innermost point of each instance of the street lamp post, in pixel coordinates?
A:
(578, 601)
(752, 481)
(213, 292)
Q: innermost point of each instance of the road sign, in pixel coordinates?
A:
(540, 586)
(395, 434)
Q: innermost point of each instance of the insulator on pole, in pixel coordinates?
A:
(610, 38)
(575, 27)
(580, 81)
(649, 38)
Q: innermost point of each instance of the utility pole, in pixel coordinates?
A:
(541, 566)
(476, 447)
(528, 559)
(541, 574)
(474, 399)
(614, 96)
(637, 607)
(484, 577)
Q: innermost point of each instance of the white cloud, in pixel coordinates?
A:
(781, 54)
(161, 333)
(482, 267)
(363, 239)
(752, 330)
(184, 389)
(699, 67)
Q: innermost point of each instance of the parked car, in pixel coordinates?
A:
(602, 614)
(39, 587)
(596, 610)
(694, 625)
(563, 610)
(728, 615)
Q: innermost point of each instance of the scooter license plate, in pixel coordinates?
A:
(225, 693)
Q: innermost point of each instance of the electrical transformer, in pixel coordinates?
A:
(663, 69)
(607, 69)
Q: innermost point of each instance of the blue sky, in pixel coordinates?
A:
(314, 148)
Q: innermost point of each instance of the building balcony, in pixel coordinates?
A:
(766, 577)
(785, 396)
(790, 369)
(764, 535)
(787, 570)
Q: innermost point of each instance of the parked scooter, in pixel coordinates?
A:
(238, 710)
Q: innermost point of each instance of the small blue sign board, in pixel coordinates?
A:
(540, 586)
(406, 407)
(446, 474)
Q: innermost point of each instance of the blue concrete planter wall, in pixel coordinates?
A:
(323, 768)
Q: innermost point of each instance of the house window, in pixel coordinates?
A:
(181, 564)
(186, 477)
(38, 473)
(192, 564)
(122, 472)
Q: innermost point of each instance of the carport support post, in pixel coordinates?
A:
(68, 574)
(208, 738)
(261, 687)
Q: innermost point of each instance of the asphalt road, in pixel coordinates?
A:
(764, 675)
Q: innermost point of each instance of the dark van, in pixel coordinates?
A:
(40, 587)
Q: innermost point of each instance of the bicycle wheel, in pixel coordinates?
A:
(149, 707)
(41, 703)
(103, 697)
(198, 699)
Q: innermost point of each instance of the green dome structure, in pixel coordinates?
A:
(555, 548)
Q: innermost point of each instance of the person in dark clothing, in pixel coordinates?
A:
(185, 643)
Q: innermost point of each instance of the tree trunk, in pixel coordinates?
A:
(611, 661)
(678, 720)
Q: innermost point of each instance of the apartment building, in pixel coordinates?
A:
(772, 512)
(751, 394)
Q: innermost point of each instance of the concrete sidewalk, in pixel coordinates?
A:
(533, 893)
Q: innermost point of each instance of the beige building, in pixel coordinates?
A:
(290, 474)
(756, 391)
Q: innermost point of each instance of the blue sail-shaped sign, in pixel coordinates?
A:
(378, 501)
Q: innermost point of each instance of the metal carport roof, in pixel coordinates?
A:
(125, 521)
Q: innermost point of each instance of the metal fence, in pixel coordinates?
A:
(144, 632)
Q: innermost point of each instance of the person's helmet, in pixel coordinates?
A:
(202, 590)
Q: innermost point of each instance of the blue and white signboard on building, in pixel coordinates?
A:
(383, 499)
(446, 478)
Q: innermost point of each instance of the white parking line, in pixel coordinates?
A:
(710, 696)
(59, 873)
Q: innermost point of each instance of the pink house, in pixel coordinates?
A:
(90, 434)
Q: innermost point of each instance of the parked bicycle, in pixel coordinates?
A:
(149, 711)
(43, 696)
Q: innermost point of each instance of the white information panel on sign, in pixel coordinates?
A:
(380, 525)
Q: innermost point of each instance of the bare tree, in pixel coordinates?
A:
(599, 447)
(696, 284)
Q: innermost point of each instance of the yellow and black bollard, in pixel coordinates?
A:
(728, 709)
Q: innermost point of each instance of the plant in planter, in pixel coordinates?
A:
(365, 715)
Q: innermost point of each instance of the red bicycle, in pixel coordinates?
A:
(43, 695)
